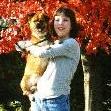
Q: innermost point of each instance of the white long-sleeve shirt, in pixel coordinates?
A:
(63, 61)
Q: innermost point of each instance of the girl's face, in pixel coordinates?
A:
(62, 26)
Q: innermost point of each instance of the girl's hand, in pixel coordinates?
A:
(22, 45)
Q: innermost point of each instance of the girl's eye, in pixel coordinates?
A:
(57, 20)
(65, 20)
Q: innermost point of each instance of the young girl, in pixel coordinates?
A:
(53, 88)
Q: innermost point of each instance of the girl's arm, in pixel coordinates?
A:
(63, 49)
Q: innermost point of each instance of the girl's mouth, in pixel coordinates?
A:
(61, 28)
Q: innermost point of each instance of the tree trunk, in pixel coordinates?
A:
(86, 82)
(93, 89)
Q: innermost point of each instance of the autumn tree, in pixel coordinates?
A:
(93, 16)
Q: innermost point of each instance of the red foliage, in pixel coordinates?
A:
(93, 15)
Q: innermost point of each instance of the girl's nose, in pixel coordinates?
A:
(60, 21)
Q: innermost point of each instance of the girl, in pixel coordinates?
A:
(53, 88)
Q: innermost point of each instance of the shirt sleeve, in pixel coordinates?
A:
(66, 48)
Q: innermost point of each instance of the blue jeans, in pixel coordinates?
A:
(60, 103)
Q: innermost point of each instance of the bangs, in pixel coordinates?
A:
(59, 13)
(65, 11)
